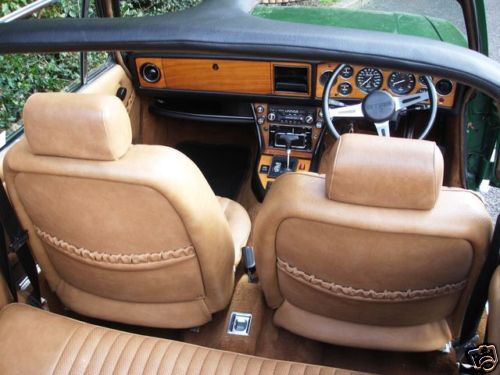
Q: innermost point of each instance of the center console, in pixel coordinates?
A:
(289, 137)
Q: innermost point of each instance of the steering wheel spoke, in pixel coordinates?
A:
(378, 107)
(347, 111)
(403, 102)
(383, 129)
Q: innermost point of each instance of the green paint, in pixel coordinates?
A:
(482, 26)
(481, 133)
(398, 23)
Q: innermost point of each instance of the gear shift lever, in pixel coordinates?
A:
(288, 138)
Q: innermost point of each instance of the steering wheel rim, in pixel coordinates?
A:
(399, 105)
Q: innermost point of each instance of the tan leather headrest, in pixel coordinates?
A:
(385, 172)
(80, 126)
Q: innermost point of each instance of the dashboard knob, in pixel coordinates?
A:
(150, 72)
(261, 120)
(309, 119)
(260, 109)
(271, 116)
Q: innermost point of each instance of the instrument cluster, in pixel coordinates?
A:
(355, 82)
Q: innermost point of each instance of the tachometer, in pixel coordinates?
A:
(369, 79)
(401, 83)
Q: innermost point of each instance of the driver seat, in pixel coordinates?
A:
(376, 254)
(126, 233)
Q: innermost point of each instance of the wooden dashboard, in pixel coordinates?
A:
(216, 75)
(264, 78)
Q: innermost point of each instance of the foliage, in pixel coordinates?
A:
(139, 8)
(22, 75)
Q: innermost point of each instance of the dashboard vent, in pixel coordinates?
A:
(292, 79)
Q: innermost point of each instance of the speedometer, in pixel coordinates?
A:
(401, 83)
(369, 79)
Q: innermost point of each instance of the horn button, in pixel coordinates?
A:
(378, 106)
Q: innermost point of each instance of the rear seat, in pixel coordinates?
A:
(33, 341)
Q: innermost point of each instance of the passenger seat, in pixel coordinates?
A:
(127, 233)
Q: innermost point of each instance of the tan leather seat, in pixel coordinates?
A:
(129, 233)
(52, 344)
(376, 254)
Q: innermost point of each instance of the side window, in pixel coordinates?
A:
(24, 74)
(141, 8)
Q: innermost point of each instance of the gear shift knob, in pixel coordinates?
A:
(288, 138)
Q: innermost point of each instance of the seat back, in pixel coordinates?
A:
(122, 232)
(376, 254)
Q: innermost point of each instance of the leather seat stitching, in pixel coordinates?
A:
(218, 363)
(365, 294)
(260, 367)
(150, 353)
(90, 332)
(204, 362)
(121, 353)
(104, 257)
(232, 364)
(191, 360)
(162, 357)
(94, 351)
(56, 364)
(135, 354)
(110, 349)
(177, 359)
(246, 366)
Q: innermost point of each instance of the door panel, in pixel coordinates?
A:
(108, 83)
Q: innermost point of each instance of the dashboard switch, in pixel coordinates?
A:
(271, 116)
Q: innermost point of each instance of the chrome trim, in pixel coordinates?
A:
(27, 10)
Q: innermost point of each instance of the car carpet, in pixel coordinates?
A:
(224, 166)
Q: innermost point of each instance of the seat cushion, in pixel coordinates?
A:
(52, 344)
(239, 223)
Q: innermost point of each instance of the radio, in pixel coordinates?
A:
(291, 115)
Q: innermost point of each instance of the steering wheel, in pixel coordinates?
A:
(378, 106)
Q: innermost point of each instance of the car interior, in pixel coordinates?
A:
(253, 197)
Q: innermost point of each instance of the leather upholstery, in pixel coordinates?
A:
(365, 170)
(94, 127)
(108, 83)
(239, 224)
(140, 240)
(53, 344)
(494, 315)
(402, 276)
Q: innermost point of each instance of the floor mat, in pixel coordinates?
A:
(224, 166)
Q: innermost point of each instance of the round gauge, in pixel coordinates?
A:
(347, 72)
(444, 87)
(325, 77)
(369, 79)
(401, 83)
(344, 89)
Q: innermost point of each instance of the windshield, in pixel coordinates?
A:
(440, 20)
